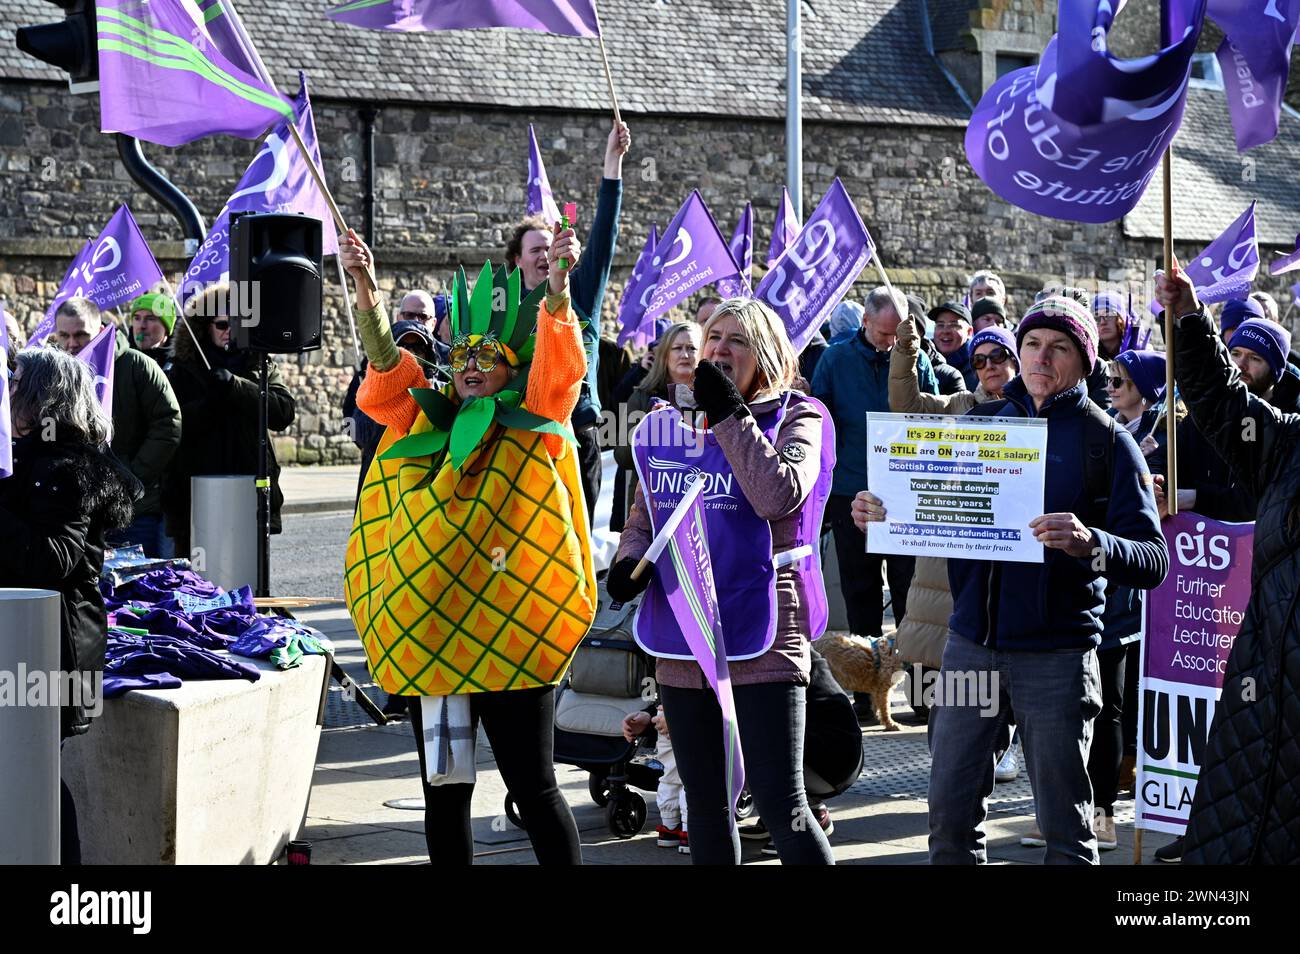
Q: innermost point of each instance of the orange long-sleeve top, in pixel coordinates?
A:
(554, 383)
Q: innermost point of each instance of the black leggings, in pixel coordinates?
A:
(1108, 730)
(520, 726)
(771, 718)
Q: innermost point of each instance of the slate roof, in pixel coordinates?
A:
(1213, 183)
(863, 60)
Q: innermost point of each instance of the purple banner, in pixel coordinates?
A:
(806, 283)
(277, 180)
(6, 434)
(565, 17)
(1087, 155)
(540, 197)
(786, 228)
(1192, 621)
(1193, 617)
(742, 250)
(1288, 262)
(171, 73)
(686, 572)
(691, 255)
(636, 296)
(110, 271)
(99, 354)
(1255, 57)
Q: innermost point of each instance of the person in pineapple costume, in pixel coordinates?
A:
(468, 570)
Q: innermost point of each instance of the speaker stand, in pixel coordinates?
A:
(263, 482)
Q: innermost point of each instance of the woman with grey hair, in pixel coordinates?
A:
(65, 493)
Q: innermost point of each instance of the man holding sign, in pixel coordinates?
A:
(1031, 629)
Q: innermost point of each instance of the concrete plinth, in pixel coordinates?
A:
(213, 772)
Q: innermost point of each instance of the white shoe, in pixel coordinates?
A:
(1009, 767)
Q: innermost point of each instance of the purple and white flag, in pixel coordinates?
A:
(742, 250)
(806, 283)
(110, 271)
(1255, 57)
(686, 573)
(1088, 154)
(99, 354)
(636, 296)
(786, 228)
(277, 180)
(691, 254)
(6, 434)
(564, 17)
(540, 197)
(1225, 268)
(1286, 263)
(170, 72)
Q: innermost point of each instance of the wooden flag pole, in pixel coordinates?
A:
(1171, 419)
(329, 199)
(604, 57)
(1137, 845)
(884, 279)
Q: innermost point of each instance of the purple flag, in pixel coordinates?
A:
(277, 180)
(691, 254)
(565, 17)
(171, 73)
(806, 283)
(6, 435)
(540, 197)
(1087, 155)
(786, 228)
(687, 577)
(742, 250)
(1295, 294)
(636, 296)
(1288, 262)
(99, 354)
(110, 271)
(1255, 57)
(1227, 266)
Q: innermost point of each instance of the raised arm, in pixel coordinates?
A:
(1244, 430)
(905, 394)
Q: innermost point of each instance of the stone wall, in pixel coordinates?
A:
(450, 183)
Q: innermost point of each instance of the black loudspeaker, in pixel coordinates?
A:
(275, 282)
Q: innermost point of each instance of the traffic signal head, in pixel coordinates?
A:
(69, 45)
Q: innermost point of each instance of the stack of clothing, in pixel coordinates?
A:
(167, 624)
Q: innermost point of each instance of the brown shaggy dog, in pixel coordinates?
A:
(864, 664)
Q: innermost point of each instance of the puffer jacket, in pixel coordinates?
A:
(62, 498)
(923, 633)
(1247, 803)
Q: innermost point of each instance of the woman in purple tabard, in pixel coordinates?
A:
(767, 454)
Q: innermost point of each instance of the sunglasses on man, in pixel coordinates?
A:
(997, 356)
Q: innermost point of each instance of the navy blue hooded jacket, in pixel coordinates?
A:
(1058, 604)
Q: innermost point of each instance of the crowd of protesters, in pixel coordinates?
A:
(791, 428)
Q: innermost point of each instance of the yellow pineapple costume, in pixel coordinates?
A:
(469, 562)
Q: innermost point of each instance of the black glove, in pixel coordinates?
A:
(619, 583)
(222, 376)
(716, 394)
